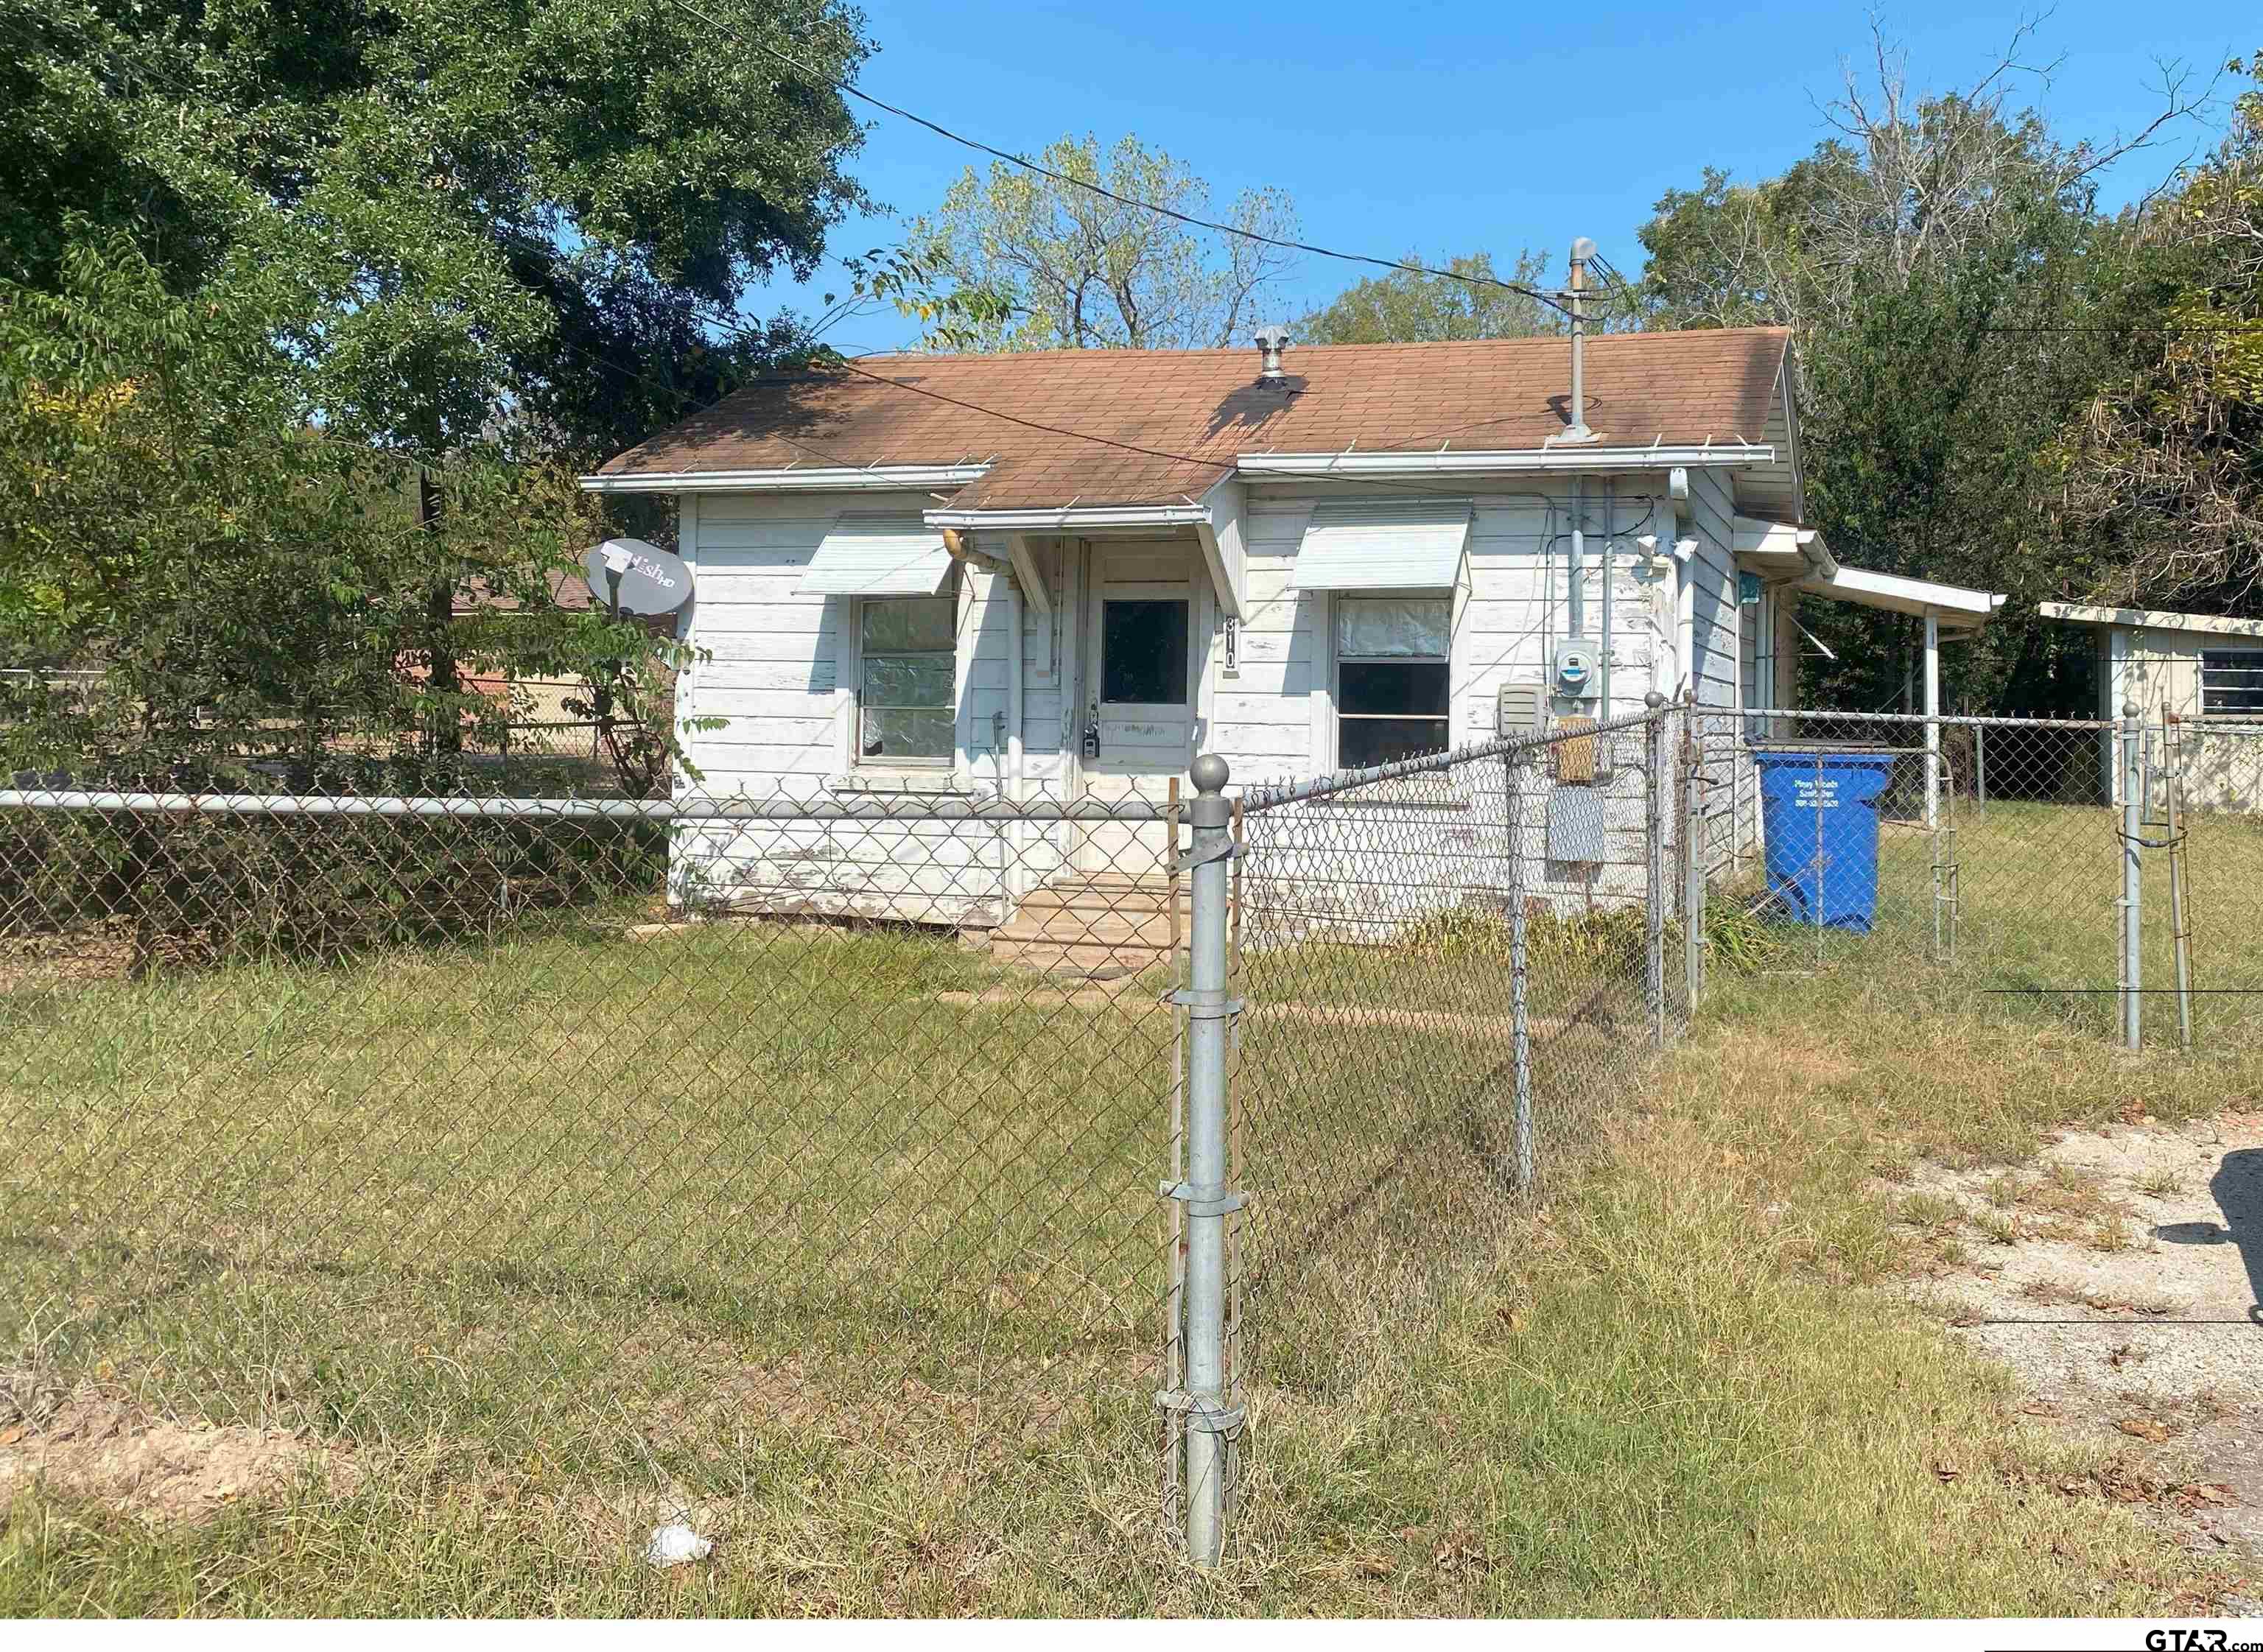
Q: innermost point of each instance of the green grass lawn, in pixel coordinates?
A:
(609, 1176)
(872, 1263)
(2036, 893)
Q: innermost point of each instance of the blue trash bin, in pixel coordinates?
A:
(1820, 812)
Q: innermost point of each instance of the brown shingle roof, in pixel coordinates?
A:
(1191, 411)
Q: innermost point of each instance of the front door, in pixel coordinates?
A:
(1145, 624)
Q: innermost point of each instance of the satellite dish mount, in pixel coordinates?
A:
(630, 576)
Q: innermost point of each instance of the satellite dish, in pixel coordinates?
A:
(649, 580)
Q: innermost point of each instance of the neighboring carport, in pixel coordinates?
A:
(1799, 557)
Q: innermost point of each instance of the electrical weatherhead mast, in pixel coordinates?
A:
(1575, 429)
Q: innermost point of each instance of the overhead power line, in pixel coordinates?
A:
(849, 89)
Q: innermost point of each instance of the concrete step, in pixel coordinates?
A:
(1105, 896)
(1093, 963)
(1098, 927)
(1151, 929)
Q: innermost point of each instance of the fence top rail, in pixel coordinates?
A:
(1918, 718)
(1279, 793)
(689, 810)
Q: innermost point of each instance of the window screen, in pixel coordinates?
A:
(1392, 693)
(2231, 681)
(905, 706)
(1143, 652)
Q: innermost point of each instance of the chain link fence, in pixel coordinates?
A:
(590, 1139)
(1453, 970)
(613, 1145)
(1964, 858)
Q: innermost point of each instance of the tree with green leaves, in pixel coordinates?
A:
(1410, 306)
(170, 519)
(200, 587)
(2167, 458)
(1956, 297)
(462, 210)
(1043, 265)
(471, 239)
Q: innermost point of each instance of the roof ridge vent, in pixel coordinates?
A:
(1271, 340)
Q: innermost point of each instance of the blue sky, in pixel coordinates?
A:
(1450, 125)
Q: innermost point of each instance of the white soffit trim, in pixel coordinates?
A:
(803, 478)
(1383, 545)
(1958, 607)
(1782, 546)
(1512, 460)
(1042, 516)
(877, 556)
(2151, 619)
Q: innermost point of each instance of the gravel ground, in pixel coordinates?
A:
(2124, 1292)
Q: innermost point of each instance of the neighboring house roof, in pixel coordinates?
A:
(1177, 419)
(474, 595)
(568, 591)
(2151, 619)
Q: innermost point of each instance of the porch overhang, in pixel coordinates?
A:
(1781, 550)
(1952, 609)
(1216, 519)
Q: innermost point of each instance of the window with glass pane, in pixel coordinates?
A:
(905, 706)
(1391, 688)
(2231, 681)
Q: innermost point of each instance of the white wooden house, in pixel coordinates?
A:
(1061, 574)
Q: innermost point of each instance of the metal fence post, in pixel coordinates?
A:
(1208, 1202)
(1519, 1004)
(1653, 892)
(1693, 861)
(2173, 810)
(2133, 829)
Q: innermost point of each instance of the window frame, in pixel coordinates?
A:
(892, 763)
(1449, 597)
(2211, 658)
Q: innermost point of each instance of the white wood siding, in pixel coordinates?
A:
(1721, 647)
(777, 668)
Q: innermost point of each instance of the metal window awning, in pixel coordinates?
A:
(1383, 545)
(877, 556)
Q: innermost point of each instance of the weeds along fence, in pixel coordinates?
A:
(626, 1149)
(2105, 877)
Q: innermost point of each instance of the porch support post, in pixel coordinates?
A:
(1029, 579)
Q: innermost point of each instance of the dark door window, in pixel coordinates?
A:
(1143, 652)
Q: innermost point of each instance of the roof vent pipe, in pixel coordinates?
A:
(1575, 298)
(1271, 341)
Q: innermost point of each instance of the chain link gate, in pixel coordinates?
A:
(2077, 867)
